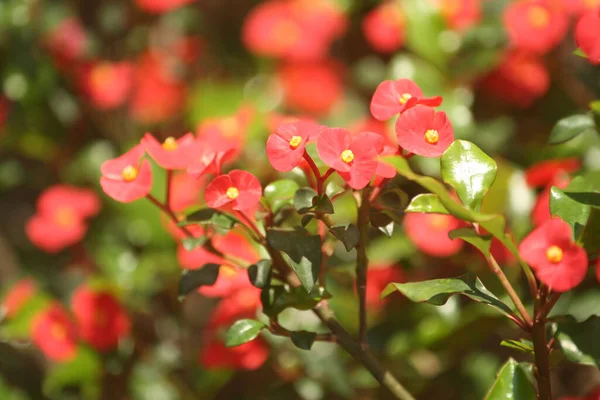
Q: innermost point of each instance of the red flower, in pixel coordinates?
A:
(535, 25)
(541, 209)
(237, 190)
(185, 191)
(17, 296)
(547, 172)
(520, 79)
(425, 132)
(395, 97)
(354, 157)
(302, 81)
(578, 7)
(101, 320)
(108, 84)
(285, 147)
(60, 218)
(172, 153)
(461, 14)
(429, 232)
(557, 261)
(385, 170)
(384, 27)
(67, 42)
(378, 277)
(161, 6)
(55, 334)
(587, 35)
(125, 178)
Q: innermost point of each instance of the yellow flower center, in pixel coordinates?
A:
(229, 126)
(285, 34)
(102, 74)
(538, 16)
(554, 254)
(58, 332)
(347, 156)
(432, 136)
(404, 98)
(227, 271)
(170, 144)
(295, 141)
(129, 173)
(65, 216)
(232, 193)
(591, 3)
(439, 222)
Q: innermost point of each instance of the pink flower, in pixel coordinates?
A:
(127, 178)
(423, 131)
(395, 97)
(172, 153)
(237, 190)
(55, 334)
(285, 147)
(429, 232)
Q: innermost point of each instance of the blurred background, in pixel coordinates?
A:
(82, 81)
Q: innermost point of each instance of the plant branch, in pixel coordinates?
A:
(362, 263)
(542, 355)
(279, 330)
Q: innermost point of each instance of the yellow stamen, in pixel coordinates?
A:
(295, 142)
(129, 173)
(170, 144)
(439, 222)
(233, 193)
(285, 34)
(404, 98)
(554, 254)
(538, 16)
(227, 271)
(229, 126)
(347, 156)
(58, 332)
(432, 136)
(65, 216)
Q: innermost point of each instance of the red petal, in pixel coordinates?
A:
(249, 189)
(127, 192)
(281, 156)
(112, 169)
(385, 103)
(330, 145)
(216, 191)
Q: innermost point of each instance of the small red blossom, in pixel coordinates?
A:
(101, 320)
(185, 191)
(285, 147)
(127, 178)
(237, 190)
(423, 131)
(535, 26)
(461, 14)
(67, 42)
(17, 296)
(354, 157)
(378, 277)
(384, 26)
(429, 232)
(395, 97)
(171, 153)
(541, 209)
(587, 35)
(108, 84)
(547, 172)
(557, 261)
(161, 6)
(55, 334)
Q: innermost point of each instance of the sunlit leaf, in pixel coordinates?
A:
(511, 383)
(243, 331)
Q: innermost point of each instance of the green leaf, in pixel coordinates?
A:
(221, 221)
(84, 371)
(303, 339)
(303, 200)
(569, 210)
(482, 243)
(579, 341)
(348, 235)
(306, 219)
(192, 243)
(525, 346)
(382, 221)
(323, 204)
(511, 383)
(580, 53)
(276, 299)
(469, 170)
(192, 279)
(260, 273)
(243, 331)
(393, 199)
(591, 232)
(438, 291)
(303, 251)
(424, 25)
(280, 194)
(427, 203)
(570, 127)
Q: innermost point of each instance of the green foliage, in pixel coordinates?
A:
(243, 331)
(260, 274)
(579, 340)
(280, 194)
(348, 235)
(570, 204)
(570, 127)
(511, 383)
(275, 299)
(84, 372)
(190, 244)
(192, 279)
(207, 216)
(481, 242)
(427, 203)
(303, 339)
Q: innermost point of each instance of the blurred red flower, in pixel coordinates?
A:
(541, 209)
(237, 190)
(461, 14)
(108, 84)
(55, 334)
(60, 218)
(394, 97)
(67, 42)
(546, 172)
(161, 6)
(17, 296)
(520, 79)
(384, 27)
(172, 153)
(185, 191)
(535, 25)
(285, 147)
(301, 82)
(587, 35)
(378, 277)
(423, 131)
(578, 7)
(127, 178)
(354, 157)
(557, 261)
(429, 232)
(101, 319)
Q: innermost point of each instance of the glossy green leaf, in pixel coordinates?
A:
(427, 203)
(223, 222)
(438, 291)
(303, 199)
(192, 279)
(591, 232)
(570, 127)
(511, 383)
(260, 273)
(303, 339)
(280, 194)
(306, 219)
(569, 210)
(323, 204)
(276, 299)
(482, 243)
(579, 340)
(348, 235)
(382, 221)
(243, 331)
(190, 244)
(303, 252)
(525, 346)
(469, 170)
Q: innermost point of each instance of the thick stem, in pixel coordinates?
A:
(362, 263)
(542, 359)
(168, 189)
